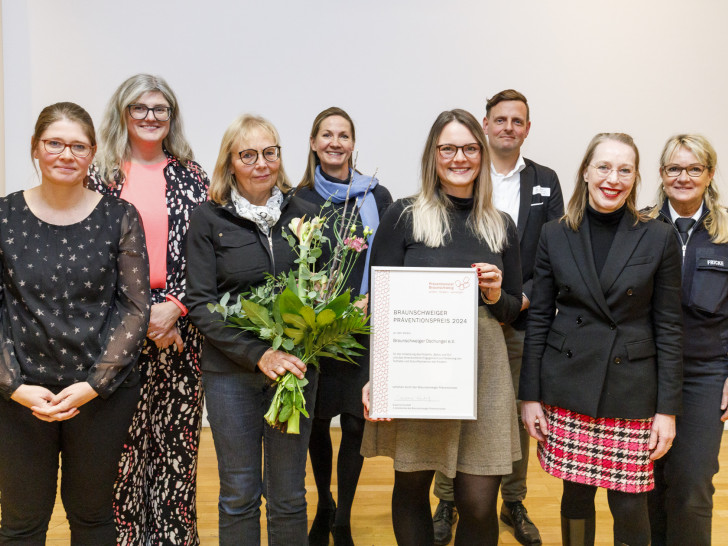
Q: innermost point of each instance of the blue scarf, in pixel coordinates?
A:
(368, 212)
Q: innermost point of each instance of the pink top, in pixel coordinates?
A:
(145, 187)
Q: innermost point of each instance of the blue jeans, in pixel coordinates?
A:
(236, 404)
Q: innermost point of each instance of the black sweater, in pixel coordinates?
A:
(395, 246)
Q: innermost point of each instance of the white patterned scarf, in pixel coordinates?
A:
(264, 216)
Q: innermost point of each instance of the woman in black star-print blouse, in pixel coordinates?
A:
(74, 308)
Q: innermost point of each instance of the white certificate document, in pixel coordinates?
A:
(423, 356)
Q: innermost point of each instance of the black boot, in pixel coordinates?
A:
(342, 535)
(322, 523)
(578, 532)
(445, 517)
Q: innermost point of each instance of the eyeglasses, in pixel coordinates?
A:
(448, 151)
(57, 147)
(693, 171)
(623, 173)
(140, 111)
(270, 154)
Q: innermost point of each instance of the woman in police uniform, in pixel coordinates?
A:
(681, 505)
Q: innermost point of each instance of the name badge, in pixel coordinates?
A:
(711, 263)
(541, 190)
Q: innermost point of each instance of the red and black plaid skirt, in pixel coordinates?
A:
(606, 452)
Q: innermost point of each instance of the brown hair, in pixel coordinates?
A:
(430, 207)
(508, 94)
(56, 112)
(313, 159)
(579, 199)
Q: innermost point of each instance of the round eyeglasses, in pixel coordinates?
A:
(270, 154)
(693, 171)
(623, 173)
(56, 147)
(140, 111)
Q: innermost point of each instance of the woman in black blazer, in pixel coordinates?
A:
(601, 376)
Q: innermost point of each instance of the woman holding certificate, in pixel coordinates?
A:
(601, 378)
(452, 222)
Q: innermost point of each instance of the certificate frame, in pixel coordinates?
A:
(423, 360)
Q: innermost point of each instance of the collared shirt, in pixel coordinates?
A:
(674, 216)
(507, 189)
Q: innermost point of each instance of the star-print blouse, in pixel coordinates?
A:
(74, 300)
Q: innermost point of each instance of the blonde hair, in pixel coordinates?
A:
(717, 220)
(579, 199)
(223, 178)
(430, 208)
(313, 159)
(115, 147)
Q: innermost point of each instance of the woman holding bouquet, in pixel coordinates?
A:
(452, 222)
(330, 176)
(235, 239)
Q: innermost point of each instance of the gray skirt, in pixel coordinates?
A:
(486, 446)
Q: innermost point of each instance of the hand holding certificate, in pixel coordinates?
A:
(424, 343)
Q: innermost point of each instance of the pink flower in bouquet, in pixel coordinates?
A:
(356, 244)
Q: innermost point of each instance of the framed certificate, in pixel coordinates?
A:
(424, 353)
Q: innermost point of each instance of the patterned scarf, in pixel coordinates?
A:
(264, 216)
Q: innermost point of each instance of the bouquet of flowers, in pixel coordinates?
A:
(306, 312)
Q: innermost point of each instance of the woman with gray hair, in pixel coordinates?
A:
(145, 159)
(681, 505)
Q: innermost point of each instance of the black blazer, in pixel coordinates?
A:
(541, 202)
(607, 346)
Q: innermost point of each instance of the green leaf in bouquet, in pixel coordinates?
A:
(340, 303)
(295, 335)
(295, 320)
(277, 342)
(258, 315)
(288, 344)
(309, 315)
(288, 301)
(315, 253)
(311, 260)
(327, 316)
(285, 413)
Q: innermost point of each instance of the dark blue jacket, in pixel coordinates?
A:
(704, 295)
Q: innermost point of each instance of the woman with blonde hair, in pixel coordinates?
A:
(452, 222)
(600, 382)
(681, 505)
(146, 160)
(234, 242)
(330, 176)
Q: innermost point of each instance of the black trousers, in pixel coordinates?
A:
(89, 445)
(681, 505)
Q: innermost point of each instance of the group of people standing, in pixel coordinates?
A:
(585, 330)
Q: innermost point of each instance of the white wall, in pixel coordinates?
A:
(649, 67)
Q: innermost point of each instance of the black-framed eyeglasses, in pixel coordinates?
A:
(693, 171)
(448, 151)
(623, 173)
(140, 111)
(270, 154)
(56, 147)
